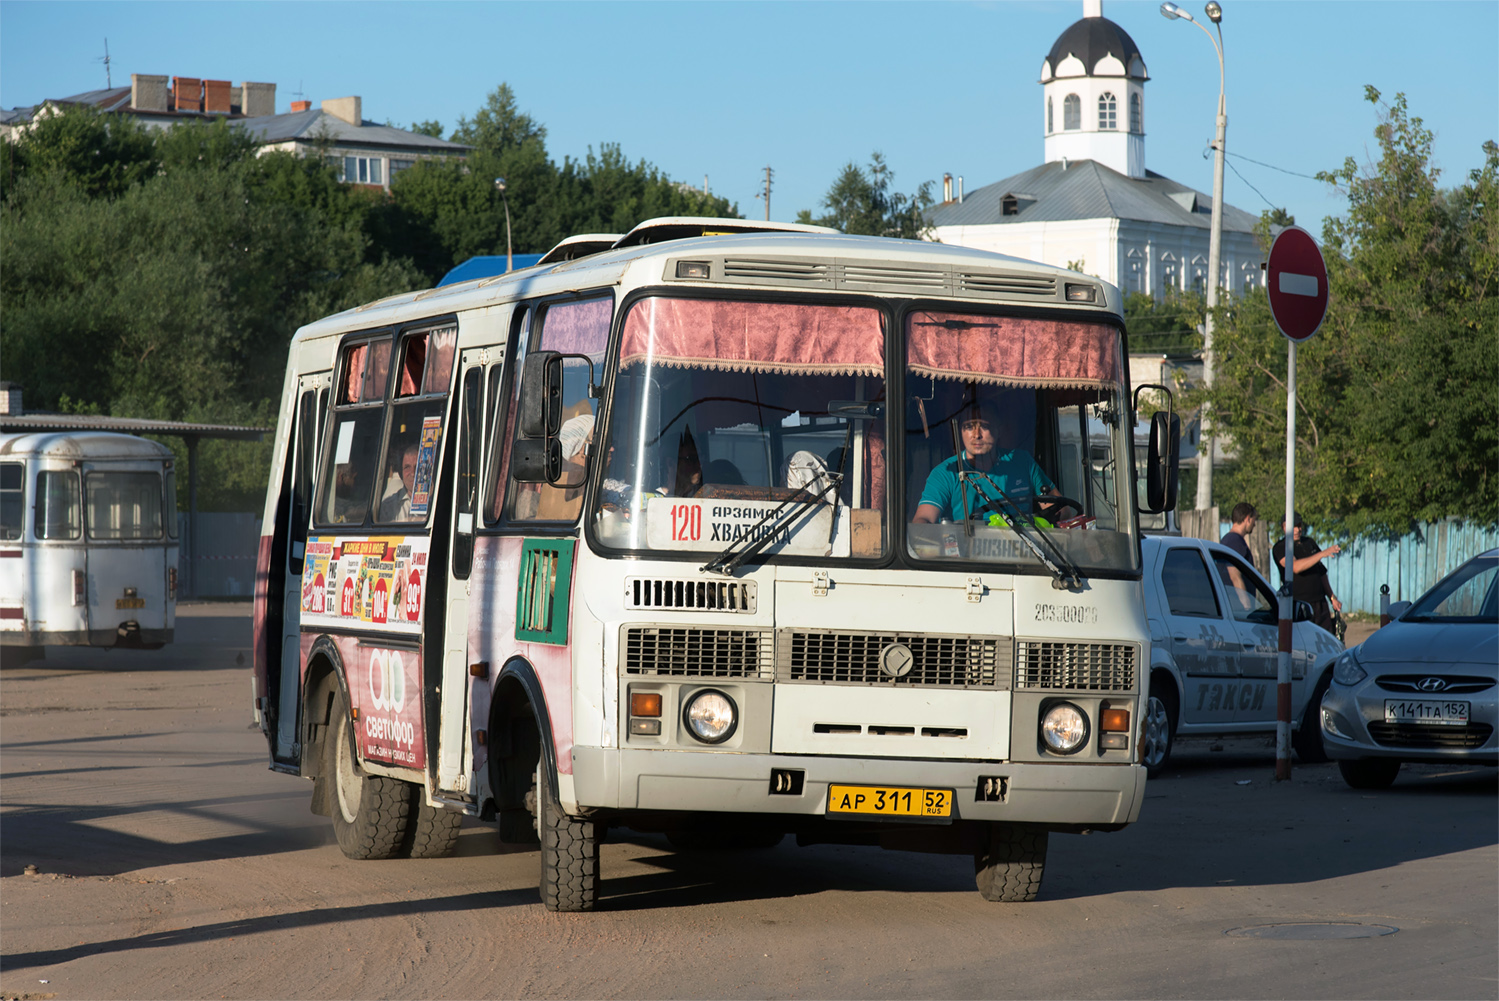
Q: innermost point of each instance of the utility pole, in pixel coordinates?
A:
(768, 174)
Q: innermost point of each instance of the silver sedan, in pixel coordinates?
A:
(1423, 688)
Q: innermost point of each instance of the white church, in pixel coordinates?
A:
(1093, 203)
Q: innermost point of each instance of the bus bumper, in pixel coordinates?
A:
(1040, 793)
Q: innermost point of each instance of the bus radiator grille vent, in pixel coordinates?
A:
(826, 657)
(1006, 285)
(690, 595)
(1088, 667)
(803, 272)
(1423, 735)
(698, 653)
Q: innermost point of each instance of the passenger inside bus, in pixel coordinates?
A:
(395, 503)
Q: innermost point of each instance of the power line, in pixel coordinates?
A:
(1309, 177)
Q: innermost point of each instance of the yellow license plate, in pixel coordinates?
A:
(130, 602)
(890, 801)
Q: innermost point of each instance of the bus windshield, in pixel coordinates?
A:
(1016, 442)
(725, 411)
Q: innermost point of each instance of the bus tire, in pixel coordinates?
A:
(1009, 863)
(569, 852)
(433, 831)
(371, 813)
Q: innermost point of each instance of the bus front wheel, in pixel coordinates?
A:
(1009, 863)
(371, 813)
(569, 852)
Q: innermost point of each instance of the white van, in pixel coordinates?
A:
(88, 542)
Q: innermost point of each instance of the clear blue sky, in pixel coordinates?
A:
(723, 89)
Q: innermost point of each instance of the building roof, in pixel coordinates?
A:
(1090, 40)
(1085, 189)
(318, 124)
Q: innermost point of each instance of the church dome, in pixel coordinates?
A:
(1092, 40)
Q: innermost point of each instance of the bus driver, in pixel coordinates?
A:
(1013, 471)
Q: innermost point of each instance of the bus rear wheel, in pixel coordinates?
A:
(433, 831)
(371, 813)
(569, 852)
(1009, 863)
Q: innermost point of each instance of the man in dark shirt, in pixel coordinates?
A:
(1311, 584)
(1243, 519)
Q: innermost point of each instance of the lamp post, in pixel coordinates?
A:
(499, 185)
(1215, 239)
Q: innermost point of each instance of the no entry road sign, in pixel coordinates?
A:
(1296, 279)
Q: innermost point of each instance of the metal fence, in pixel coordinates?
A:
(224, 565)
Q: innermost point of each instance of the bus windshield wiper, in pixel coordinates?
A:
(763, 532)
(1063, 577)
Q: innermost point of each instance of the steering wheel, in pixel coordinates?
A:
(1050, 504)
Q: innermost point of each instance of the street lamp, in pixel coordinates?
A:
(1215, 239)
(499, 185)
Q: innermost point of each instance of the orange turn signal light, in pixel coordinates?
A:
(645, 703)
(1114, 721)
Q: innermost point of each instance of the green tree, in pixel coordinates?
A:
(862, 202)
(102, 155)
(1397, 418)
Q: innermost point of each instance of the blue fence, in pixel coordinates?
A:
(1409, 565)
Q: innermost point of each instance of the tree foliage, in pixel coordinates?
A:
(862, 202)
(1397, 422)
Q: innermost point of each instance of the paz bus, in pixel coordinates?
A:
(88, 542)
(656, 538)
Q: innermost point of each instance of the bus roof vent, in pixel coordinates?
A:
(999, 284)
(780, 271)
(893, 278)
(690, 595)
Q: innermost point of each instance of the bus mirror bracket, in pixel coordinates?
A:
(1162, 454)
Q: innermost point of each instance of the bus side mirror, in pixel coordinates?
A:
(536, 460)
(541, 395)
(1162, 462)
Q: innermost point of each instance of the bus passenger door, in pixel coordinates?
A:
(302, 448)
(454, 755)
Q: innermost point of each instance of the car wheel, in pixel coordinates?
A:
(1369, 773)
(569, 852)
(370, 812)
(1308, 742)
(1159, 733)
(1009, 864)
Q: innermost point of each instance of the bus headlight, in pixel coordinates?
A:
(1064, 728)
(711, 716)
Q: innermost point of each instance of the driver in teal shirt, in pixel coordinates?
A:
(1013, 471)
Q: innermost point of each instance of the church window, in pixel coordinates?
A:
(1107, 117)
(1072, 112)
(1136, 119)
(1051, 121)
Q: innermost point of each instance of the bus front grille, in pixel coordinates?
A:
(831, 657)
(690, 595)
(680, 652)
(1088, 667)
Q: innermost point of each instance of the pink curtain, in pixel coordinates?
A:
(1011, 351)
(577, 328)
(755, 337)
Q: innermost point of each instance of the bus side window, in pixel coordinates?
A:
(12, 501)
(416, 420)
(303, 478)
(502, 416)
(348, 475)
(59, 505)
(577, 327)
(470, 454)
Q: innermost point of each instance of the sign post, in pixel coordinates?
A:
(1296, 280)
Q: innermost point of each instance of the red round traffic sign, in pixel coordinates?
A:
(1296, 279)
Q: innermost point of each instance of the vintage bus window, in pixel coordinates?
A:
(12, 501)
(123, 505)
(470, 465)
(1013, 420)
(415, 437)
(723, 410)
(352, 453)
(59, 505)
(171, 509)
(580, 327)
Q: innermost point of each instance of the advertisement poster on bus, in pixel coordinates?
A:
(379, 581)
(426, 465)
(387, 690)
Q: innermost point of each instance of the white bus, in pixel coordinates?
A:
(88, 542)
(726, 537)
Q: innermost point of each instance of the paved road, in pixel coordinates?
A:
(172, 864)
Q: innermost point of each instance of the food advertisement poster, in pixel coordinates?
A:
(379, 581)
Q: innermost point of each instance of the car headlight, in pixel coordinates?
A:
(1346, 670)
(711, 716)
(1064, 728)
